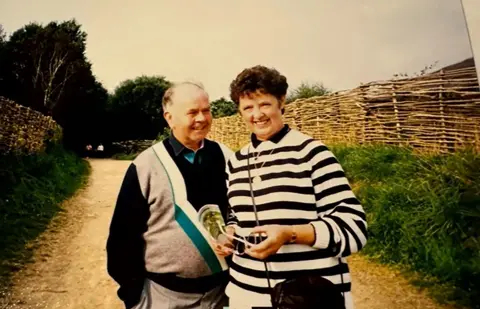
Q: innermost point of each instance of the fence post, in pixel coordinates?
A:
(363, 103)
(395, 108)
(340, 125)
(297, 116)
(476, 141)
(443, 142)
(218, 130)
(237, 133)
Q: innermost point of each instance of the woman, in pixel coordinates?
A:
(308, 214)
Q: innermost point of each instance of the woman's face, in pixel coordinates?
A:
(262, 113)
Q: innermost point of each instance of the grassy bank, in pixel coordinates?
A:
(423, 213)
(123, 156)
(32, 190)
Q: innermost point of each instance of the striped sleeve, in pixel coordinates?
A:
(341, 224)
(231, 217)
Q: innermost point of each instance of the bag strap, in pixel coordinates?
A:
(258, 223)
(256, 215)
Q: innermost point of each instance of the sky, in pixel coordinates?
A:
(472, 14)
(339, 43)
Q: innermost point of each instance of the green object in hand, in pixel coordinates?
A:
(211, 221)
(211, 217)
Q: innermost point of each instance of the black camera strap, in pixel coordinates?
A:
(255, 211)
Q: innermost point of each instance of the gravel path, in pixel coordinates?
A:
(69, 271)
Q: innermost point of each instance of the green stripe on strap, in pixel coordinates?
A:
(198, 239)
(191, 230)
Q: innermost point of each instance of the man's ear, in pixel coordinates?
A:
(168, 117)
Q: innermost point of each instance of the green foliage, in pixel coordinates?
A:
(423, 213)
(43, 59)
(53, 137)
(44, 67)
(223, 107)
(33, 187)
(164, 134)
(138, 103)
(3, 36)
(307, 90)
(124, 156)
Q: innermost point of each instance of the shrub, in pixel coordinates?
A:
(33, 187)
(423, 213)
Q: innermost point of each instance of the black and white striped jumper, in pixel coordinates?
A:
(302, 183)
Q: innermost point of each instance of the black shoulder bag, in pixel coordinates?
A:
(302, 292)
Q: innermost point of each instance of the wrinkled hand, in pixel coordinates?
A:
(223, 246)
(277, 236)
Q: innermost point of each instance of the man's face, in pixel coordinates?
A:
(262, 113)
(189, 115)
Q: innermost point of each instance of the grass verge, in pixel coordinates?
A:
(33, 188)
(123, 156)
(423, 214)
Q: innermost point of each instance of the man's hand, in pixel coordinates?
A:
(223, 245)
(277, 236)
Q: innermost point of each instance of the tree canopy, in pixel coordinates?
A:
(135, 108)
(45, 67)
(307, 90)
(223, 107)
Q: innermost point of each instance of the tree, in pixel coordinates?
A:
(3, 36)
(42, 60)
(223, 107)
(57, 68)
(135, 109)
(3, 39)
(83, 112)
(45, 68)
(307, 90)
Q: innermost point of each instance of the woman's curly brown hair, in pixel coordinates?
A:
(267, 80)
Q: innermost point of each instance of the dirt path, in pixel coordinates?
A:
(70, 268)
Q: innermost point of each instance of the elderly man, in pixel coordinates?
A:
(157, 251)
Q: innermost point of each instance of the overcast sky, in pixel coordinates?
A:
(472, 12)
(338, 42)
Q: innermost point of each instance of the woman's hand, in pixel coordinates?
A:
(223, 245)
(277, 236)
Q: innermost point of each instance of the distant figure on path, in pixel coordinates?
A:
(88, 150)
(100, 150)
(156, 251)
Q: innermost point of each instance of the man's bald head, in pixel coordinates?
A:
(186, 108)
(182, 92)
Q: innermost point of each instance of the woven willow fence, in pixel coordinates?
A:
(24, 130)
(439, 112)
